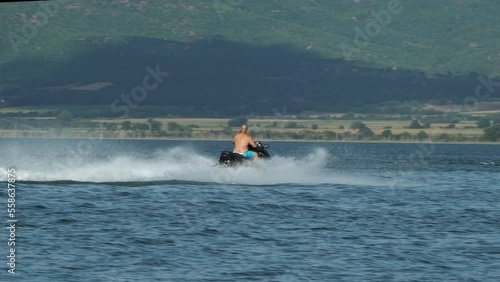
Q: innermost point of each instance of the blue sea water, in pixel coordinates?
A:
(139, 210)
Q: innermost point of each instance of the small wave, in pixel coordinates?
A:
(490, 163)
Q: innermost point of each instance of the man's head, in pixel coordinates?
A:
(244, 128)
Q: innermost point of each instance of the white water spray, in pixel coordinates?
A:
(185, 164)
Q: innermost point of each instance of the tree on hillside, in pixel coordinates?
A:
(387, 134)
(492, 133)
(110, 126)
(174, 126)
(329, 135)
(141, 126)
(483, 123)
(403, 136)
(358, 125)
(415, 124)
(227, 130)
(422, 135)
(291, 124)
(127, 125)
(365, 132)
(65, 116)
(445, 137)
(155, 125)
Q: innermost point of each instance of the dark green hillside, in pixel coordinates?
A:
(231, 78)
(258, 55)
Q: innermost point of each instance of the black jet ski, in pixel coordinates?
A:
(228, 158)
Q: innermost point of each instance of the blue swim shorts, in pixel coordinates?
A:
(247, 154)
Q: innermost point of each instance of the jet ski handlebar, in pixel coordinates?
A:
(260, 145)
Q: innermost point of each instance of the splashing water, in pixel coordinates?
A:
(183, 164)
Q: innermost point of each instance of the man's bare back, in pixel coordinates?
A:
(242, 140)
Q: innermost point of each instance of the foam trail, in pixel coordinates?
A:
(185, 164)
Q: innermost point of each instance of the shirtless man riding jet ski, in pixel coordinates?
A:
(241, 141)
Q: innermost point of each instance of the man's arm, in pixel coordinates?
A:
(251, 141)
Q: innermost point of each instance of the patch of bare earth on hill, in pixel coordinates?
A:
(485, 107)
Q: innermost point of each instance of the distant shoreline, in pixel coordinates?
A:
(268, 140)
(293, 129)
(285, 130)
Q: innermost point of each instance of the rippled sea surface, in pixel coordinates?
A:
(122, 210)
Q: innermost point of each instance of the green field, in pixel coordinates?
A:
(262, 128)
